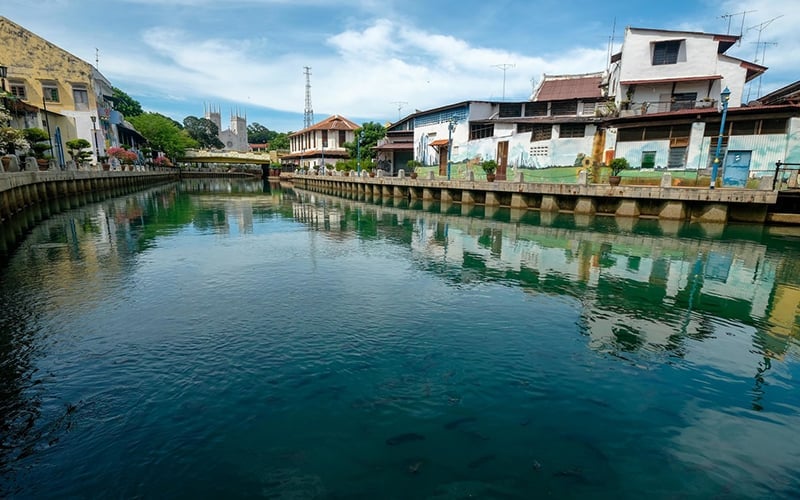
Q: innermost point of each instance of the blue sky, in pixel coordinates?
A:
(370, 57)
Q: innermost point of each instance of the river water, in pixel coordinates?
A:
(231, 339)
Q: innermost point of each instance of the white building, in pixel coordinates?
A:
(321, 143)
(233, 138)
(663, 70)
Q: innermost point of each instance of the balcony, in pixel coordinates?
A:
(652, 107)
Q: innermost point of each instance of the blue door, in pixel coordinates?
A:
(59, 149)
(737, 168)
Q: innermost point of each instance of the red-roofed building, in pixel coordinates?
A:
(321, 143)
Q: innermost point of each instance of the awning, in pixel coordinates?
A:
(439, 143)
(395, 146)
(672, 80)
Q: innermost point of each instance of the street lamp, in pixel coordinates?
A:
(3, 74)
(451, 127)
(725, 97)
(94, 133)
(358, 152)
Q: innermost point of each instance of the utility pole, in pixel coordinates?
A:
(504, 67)
(308, 112)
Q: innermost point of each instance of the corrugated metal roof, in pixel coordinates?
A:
(560, 87)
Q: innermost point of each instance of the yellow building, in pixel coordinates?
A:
(52, 89)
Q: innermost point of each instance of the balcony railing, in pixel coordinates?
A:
(650, 107)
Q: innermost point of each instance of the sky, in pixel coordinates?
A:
(376, 60)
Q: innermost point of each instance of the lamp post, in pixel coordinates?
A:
(323, 157)
(451, 127)
(3, 74)
(358, 152)
(725, 97)
(94, 133)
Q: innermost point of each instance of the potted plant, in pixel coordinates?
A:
(489, 167)
(39, 140)
(617, 165)
(78, 150)
(413, 165)
(124, 156)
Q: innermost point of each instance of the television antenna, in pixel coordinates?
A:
(504, 67)
(399, 107)
(741, 28)
(761, 27)
(761, 62)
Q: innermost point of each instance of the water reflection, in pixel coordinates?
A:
(638, 288)
(598, 332)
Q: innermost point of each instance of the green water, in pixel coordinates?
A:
(219, 339)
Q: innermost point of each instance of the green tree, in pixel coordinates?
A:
(163, 134)
(78, 149)
(204, 131)
(259, 134)
(280, 141)
(373, 132)
(125, 104)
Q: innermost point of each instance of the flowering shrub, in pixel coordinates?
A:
(13, 140)
(123, 155)
(162, 161)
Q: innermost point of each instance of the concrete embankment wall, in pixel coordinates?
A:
(669, 203)
(22, 190)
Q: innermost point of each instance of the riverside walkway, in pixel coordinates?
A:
(721, 205)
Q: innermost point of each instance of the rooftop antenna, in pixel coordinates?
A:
(504, 67)
(399, 107)
(611, 43)
(308, 112)
(761, 27)
(761, 62)
(741, 29)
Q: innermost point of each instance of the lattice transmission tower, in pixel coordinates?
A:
(308, 112)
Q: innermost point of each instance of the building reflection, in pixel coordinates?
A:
(638, 289)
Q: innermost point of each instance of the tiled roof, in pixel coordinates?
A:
(558, 87)
(334, 122)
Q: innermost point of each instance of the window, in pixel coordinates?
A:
(81, 97)
(18, 90)
(744, 127)
(342, 138)
(324, 138)
(630, 134)
(589, 108)
(773, 126)
(536, 109)
(562, 108)
(648, 159)
(480, 130)
(655, 133)
(684, 100)
(572, 130)
(510, 110)
(50, 92)
(538, 132)
(666, 52)
(677, 157)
